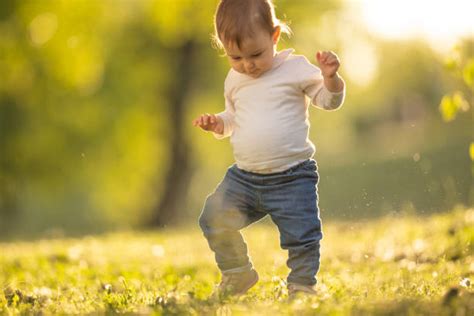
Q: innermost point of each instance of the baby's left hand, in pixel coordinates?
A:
(328, 63)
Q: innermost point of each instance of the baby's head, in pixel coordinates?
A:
(248, 31)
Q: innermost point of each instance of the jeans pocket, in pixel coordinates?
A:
(309, 165)
(310, 169)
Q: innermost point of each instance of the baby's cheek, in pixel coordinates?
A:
(236, 68)
(268, 64)
(239, 67)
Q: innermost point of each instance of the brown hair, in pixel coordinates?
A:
(236, 20)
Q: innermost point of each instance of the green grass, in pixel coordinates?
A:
(392, 266)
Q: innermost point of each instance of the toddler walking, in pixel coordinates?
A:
(266, 117)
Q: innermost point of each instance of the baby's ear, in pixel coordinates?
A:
(276, 34)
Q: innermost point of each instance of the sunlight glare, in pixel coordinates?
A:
(363, 60)
(439, 22)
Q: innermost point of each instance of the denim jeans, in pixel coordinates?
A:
(289, 197)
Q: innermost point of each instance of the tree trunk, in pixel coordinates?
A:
(177, 177)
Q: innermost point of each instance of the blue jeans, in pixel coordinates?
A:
(289, 197)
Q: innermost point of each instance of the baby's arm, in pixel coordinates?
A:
(323, 84)
(221, 124)
(329, 64)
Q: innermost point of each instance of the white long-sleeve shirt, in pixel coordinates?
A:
(267, 117)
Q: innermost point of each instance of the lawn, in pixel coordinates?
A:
(395, 265)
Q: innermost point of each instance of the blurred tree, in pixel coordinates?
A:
(77, 129)
(92, 107)
(177, 177)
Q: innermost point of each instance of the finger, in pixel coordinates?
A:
(335, 59)
(318, 56)
(334, 63)
(325, 57)
(331, 60)
(334, 54)
(321, 56)
(206, 119)
(213, 118)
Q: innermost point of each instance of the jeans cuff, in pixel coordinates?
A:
(245, 268)
(303, 281)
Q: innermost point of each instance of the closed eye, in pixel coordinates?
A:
(256, 55)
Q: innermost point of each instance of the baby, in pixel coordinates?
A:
(266, 117)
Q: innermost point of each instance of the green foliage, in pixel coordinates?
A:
(452, 104)
(468, 73)
(461, 64)
(391, 266)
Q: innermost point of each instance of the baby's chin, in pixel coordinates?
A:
(255, 74)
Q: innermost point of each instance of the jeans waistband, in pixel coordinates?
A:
(291, 169)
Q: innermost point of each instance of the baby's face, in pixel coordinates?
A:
(255, 55)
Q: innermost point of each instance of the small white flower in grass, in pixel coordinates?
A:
(43, 292)
(469, 216)
(384, 250)
(434, 274)
(418, 245)
(388, 255)
(315, 305)
(158, 250)
(107, 287)
(408, 264)
(465, 283)
(74, 253)
(323, 291)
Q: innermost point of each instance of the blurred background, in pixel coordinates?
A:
(97, 99)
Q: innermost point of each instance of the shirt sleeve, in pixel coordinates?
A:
(312, 84)
(227, 117)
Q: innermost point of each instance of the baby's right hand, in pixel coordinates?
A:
(210, 122)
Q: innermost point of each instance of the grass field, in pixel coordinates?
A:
(403, 265)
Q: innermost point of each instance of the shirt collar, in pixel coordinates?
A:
(281, 56)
